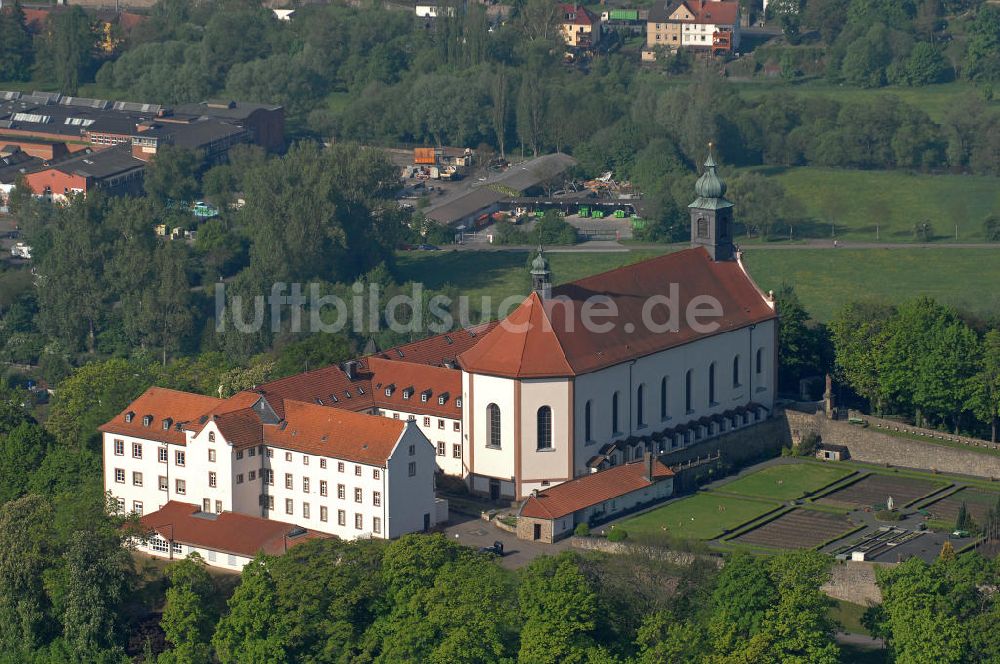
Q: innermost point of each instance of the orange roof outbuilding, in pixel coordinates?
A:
(583, 492)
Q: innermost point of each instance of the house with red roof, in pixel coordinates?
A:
(553, 513)
(331, 470)
(711, 25)
(228, 540)
(579, 26)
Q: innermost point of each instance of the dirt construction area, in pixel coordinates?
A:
(798, 529)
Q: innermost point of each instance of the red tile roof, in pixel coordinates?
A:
(714, 12)
(161, 403)
(440, 348)
(576, 14)
(556, 343)
(229, 532)
(436, 382)
(593, 489)
(335, 433)
(328, 386)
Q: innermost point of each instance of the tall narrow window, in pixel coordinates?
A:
(687, 391)
(760, 360)
(663, 398)
(544, 428)
(586, 422)
(493, 425)
(711, 383)
(614, 413)
(640, 413)
(736, 371)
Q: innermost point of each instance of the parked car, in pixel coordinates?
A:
(496, 549)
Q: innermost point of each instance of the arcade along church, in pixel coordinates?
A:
(513, 406)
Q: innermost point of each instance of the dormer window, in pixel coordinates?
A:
(361, 390)
(333, 398)
(407, 393)
(129, 416)
(389, 390)
(458, 402)
(442, 399)
(425, 396)
(147, 420)
(166, 424)
(347, 393)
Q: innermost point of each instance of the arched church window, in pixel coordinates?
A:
(545, 428)
(493, 425)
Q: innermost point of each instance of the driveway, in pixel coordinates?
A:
(474, 532)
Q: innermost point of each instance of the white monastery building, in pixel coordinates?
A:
(684, 349)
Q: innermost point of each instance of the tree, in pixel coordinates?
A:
(94, 394)
(500, 108)
(856, 331)
(65, 51)
(171, 176)
(188, 616)
(558, 611)
(926, 65)
(26, 550)
(761, 201)
(21, 453)
(964, 520)
(166, 306)
(742, 596)
(800, 347)
(531, 101)
(15, 45)
(249, 633)
(986, 397)
(88, 589)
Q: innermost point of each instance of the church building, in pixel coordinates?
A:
(548, 398)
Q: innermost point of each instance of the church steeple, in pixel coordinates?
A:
(541, 277)
(712, 214)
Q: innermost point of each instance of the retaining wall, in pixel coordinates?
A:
(853, 581)
(872, 445)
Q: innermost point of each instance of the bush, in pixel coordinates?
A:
(582, 529)
(887, 515)
(617, 535)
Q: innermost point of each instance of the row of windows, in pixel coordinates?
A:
(359, 519)
(180, 457)
(456, 449)
(455, 426)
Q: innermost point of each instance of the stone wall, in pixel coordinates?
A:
(872, 445)
(739, 448)
(655, 552)
(853, 581)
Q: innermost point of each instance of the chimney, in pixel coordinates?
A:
(648, 459)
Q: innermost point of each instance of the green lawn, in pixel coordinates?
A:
(703, 516)
(889, 202)
(938, 101)
(825, 279)
(848, 614)
(785, 482)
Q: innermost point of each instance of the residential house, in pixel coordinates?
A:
(579, 26)
(712, 25)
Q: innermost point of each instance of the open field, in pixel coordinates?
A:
(860, 202)
(977, 502)
(785, 482)
(798, 529)
(876, 489)
(703, 516)
(825, 279)
(938, 101)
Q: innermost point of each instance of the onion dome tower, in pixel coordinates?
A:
(712, 214)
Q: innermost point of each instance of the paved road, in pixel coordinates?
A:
(612, 246)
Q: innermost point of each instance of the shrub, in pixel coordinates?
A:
(582, 529)
(887, 515)
(617, 535)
